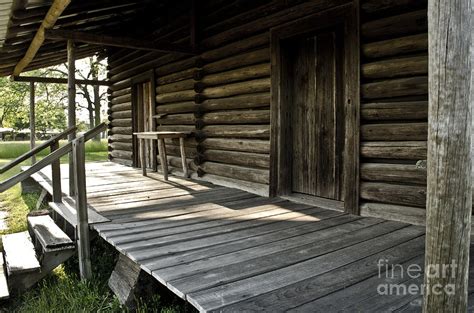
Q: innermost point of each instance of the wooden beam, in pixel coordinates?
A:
(449, 200)
(122, 42)
(54, 80)
(71, 116)
(50, 19)
(32, 121)
(83, 236)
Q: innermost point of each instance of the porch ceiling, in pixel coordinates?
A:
(20, 20)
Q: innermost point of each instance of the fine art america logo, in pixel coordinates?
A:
(406, 279)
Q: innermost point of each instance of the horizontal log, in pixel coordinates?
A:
(188, 142)
(120, 138)
(401, 150)
(408, 66)
(402, 173)
(176, 119)
(237, 117)
(175, 151)
(178, 96)
(125, 146)
(176, 76)
(405, 214)
(121, 92)
(178, 107)
(398, 25)
(395, 88)
(395, 132)
(414, 110)
(245, 145)
(238, 158)
(251, 86)
(247, 101)
(122, 154)
(238, 61)
(397, 46)
(122, 99)
(176, 163)
(177, 128)
(180, 65)
(121, 107)
(233, 48)
(245, 73)
(121, 84)
(126, 162)
(187, 84)
(395, 194)
(237, 131)
(121, 114)
(237, 172)
(122, 130)
(121, 122)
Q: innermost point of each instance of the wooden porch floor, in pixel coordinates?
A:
(223, 249)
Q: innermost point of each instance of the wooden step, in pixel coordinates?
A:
(20, 254)
(4, 292)
(67, 210)
(48, 234)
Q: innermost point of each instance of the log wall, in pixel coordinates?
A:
(222, 95)
(394, 109)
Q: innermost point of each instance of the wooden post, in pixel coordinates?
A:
(32, 121)
(82, 229)
(71, 118)
(183, 157)
(162, 153)
(449, 199)
(56, 175)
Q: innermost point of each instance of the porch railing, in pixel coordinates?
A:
(77, 147)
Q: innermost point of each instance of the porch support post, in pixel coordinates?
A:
(449, 199)
(32, 121)
(71, 110)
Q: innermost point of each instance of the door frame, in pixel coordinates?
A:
(146, 77)
(347, 17)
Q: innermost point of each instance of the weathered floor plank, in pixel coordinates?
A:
(224, 249)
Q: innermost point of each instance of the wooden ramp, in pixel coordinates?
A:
(223, 249)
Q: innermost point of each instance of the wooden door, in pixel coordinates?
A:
(143, 118)
(316, 107)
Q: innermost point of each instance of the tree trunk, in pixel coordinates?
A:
(449, 200)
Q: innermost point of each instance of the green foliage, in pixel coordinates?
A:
(12, 99)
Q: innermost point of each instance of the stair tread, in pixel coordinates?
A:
(20, 254)
(4, 292)
(67, 210)
(49, 234)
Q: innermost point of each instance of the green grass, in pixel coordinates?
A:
(62, 290)
(13, 149)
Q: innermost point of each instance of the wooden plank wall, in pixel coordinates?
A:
(394, 109)
(223, 95)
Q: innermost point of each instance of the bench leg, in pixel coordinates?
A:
(183, 157)
(164, 163)
(143, 155)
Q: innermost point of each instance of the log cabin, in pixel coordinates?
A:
(357, 111)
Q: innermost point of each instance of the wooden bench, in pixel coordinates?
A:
(160, 136)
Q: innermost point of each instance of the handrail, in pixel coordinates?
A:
(37, 149)
(94, 131)
(50, 158)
